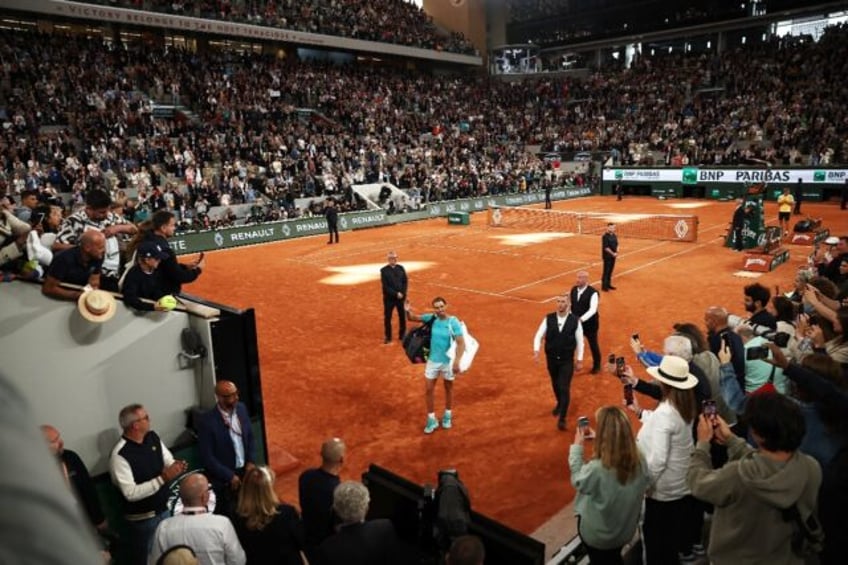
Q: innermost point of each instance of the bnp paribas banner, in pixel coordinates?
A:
(287, 229)
(707, 175)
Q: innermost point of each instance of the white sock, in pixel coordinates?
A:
(431, 415)
(447, 412)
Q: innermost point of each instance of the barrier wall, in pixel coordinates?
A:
(288, 229)
(77, 375)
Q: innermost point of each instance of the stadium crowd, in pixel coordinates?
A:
(78, 115)
(399, 22)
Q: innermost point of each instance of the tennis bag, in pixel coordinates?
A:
(416, 344)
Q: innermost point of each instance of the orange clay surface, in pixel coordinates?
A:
(326, 372)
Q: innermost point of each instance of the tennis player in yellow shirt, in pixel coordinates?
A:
(785, 202)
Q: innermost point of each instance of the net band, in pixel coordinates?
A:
(667, 227)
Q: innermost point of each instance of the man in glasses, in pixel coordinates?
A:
(141, 467)
(227, 447)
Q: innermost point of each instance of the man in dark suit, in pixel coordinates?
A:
(315, 489)
(394, 281)
(226, 445)
(332, 215)
(609, 252)
(584, 305)
(358, 542)
(75, 473)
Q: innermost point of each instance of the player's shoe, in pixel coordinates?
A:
(447, 421)
(432, 425)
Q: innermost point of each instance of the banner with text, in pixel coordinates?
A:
(275, 231)
(706, 175)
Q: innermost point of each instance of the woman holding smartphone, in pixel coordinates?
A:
(669, 530)
(610, 486)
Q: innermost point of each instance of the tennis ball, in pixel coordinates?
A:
(167, 302)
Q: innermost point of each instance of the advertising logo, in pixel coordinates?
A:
(690, 175)
(619, 174)
(819, 176)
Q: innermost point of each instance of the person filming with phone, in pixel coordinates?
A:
(610, 486)
(173, 274)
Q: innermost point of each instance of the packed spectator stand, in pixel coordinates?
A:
(390, 21)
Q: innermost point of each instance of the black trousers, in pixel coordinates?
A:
(561, 369)
(668, 529)
(600, 556)
(333, 230)
(591, 335)
(389, 306)
(797, 209)
(606, 277)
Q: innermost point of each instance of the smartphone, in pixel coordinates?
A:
(756, 353)
(708, 408)
(583, 422)
(202, 255)
(628, 394)
(36, 219)
(612, 358)
(619, 366)
(726, 339)
(635, 337)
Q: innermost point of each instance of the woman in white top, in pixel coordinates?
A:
(665, 439)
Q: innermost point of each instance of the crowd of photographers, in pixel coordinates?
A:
(750, 428)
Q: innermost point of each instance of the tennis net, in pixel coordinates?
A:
(643, 226)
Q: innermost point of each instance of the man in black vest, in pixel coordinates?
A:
(394, 281)
(141, 467)
(584, 305)
(563, 334)
(609, 252)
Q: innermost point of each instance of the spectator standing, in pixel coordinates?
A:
(81, 265)
(315, 491)
(445, 330)
(141, 467)
(13, 238)
(226, 444)
(752, 492)
(212, 538)
(97, 215)
(584, 305)
(563, 334)
(394, 282)
(609, 253)
(610, 487)
(142, 280)
(358, 542)
(77, 477)
(174, 274)
(270, 532)
(665, 439)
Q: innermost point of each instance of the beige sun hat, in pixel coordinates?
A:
(97, 306)
(674, 371)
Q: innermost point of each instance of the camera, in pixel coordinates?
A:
(757, 353)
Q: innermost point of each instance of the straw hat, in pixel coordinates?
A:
(674, 371)
(97, 305)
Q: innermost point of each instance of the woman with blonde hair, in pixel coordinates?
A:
(270, 532)
(610, 486)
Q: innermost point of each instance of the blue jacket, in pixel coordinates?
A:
(216, 447)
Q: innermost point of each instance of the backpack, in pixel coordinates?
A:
(803, 226)
(416, 344)
(453, 509)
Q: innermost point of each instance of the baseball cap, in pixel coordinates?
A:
(150, 250)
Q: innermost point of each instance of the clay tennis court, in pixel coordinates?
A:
(326, 372)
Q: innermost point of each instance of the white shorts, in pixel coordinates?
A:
(433, 370)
